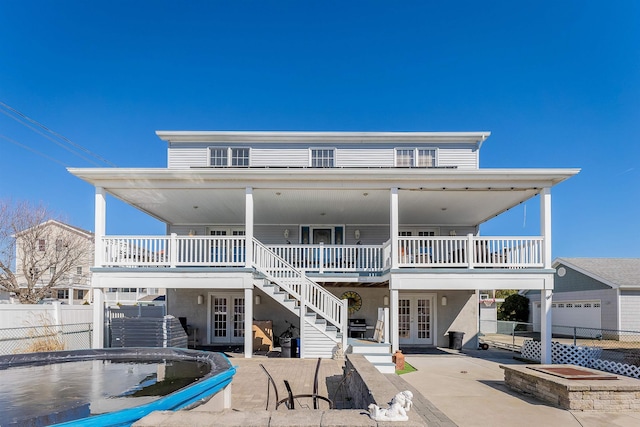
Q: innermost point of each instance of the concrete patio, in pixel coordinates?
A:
(450, 388)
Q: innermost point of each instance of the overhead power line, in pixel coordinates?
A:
(51, 135)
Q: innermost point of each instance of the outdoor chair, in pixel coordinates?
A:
(290, 400)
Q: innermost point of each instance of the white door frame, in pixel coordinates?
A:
(413, 296)
(229, 294)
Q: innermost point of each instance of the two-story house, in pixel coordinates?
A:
(316, 228)
(58, 257)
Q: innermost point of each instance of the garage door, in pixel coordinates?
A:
(584, 314)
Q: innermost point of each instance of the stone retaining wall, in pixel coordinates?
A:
(622, 394)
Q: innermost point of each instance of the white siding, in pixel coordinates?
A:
(186, 157)
(630, 310)
(461, 157)
(282, 157)
(358, 157)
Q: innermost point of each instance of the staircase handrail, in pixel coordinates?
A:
(289, 278)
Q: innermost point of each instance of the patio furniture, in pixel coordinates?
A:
(290, 400)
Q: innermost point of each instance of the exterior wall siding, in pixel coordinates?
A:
(185, 155)
(574, 281)
(630, 310)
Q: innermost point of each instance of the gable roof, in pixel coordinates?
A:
(615, 272)
(53, 222)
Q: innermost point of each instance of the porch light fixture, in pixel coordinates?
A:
(385, 300)
(356, 234)
(192, 233)
(286, 233)
(258, 299)
(200, 299)
(452, 233)
(443, 301)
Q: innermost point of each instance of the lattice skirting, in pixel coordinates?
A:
(578, 355)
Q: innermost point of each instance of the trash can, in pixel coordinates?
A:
(288, 347)
(455, 340)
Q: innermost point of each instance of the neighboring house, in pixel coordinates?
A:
(599, 293)
(317, 228)
(74, 287)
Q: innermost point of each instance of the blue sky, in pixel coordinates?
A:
(556, 82)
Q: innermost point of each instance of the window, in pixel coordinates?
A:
(63, 294)
(80, 294)
(404, 158)
(52, 271)
(569, 305)
(587, 305)
(226, 156)
(59, 244)
(560, 305)
(415, 157)
(79, 270)
(322, 158)
(239, 157)
(42, 245)
(426, 233)
(426, 158)
(596, 305)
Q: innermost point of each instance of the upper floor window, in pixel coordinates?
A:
(227, 156)
(79, 271)
(322, 157)
(415, 157)
(42, 245)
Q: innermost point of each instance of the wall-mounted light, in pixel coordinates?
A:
(192, 233)
(385, 300)
(452, 233)
(443, 301)
(200, 299)
(356, 234)
(258, 299)
(286, 233)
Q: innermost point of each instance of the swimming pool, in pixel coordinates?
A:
(107, 387)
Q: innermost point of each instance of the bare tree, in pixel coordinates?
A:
(38, 252)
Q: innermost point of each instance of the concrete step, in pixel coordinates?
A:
(368, 348)
(378, 357)
(386, 368)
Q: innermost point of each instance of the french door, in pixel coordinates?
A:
(226, 324)
(416, 319)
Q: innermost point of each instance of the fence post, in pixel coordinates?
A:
(575, 334)
(513, 335)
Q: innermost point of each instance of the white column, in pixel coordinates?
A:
(248, 322)
(545, 225)
(393, 219)
(395, 345)
(248, 226)
(98, 318)
(100, 225)
(545, 324)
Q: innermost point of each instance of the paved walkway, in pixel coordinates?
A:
(469, 388)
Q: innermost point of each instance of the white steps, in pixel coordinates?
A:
(378, 354)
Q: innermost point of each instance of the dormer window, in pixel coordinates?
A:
(415, 157)
(228, 157)
(322, 157)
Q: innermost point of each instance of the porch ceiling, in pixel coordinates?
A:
(429, 197)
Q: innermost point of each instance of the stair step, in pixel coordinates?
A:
(370, 349)
(376, 358)
(386, 368)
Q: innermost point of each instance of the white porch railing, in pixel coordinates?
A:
(336, 258)
(470, 251)
(300, 287)
(418, 252)
(173, 251)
